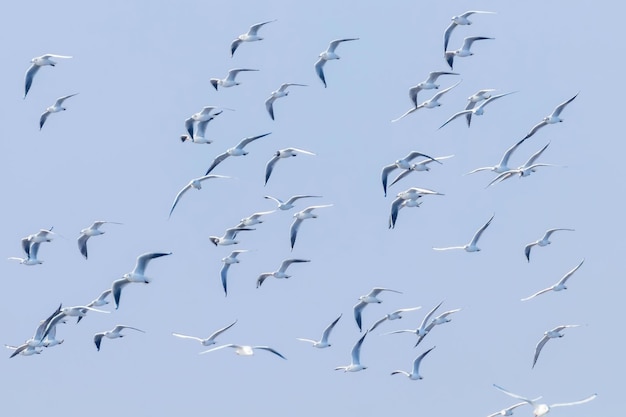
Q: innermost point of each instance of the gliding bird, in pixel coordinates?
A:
(550, 119)
(55, 108)
(281, 272)
(112, 334)
(559, 285)
(194, 183)
(471, 246)
(544, 241)
(327, 55)
(540, 410)
(244, 350)
(37, 63)
(404, 163)
(229, 81)
(282, 153)
(209, 340)
(85, 234)
(428, 84)
(550, 334)
(228, 261)
(235, 151)
(250, 36)
(369, 298)
(414, 374)
(355, 364)
(281, 92)
(299, 217)
(136, 275)
(477, 111)
(461, 19)
(464, 51)
(323, 342)
(428, 104)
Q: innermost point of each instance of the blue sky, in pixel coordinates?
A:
(140, 69)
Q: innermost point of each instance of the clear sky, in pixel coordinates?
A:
(142, 68)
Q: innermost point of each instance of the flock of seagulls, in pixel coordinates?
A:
(195, 127)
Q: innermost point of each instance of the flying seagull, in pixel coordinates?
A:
(37, 63)
(355, 364)
(464, 51)
(253, 219)
(418, 167)
(559, 285)
(428, 84)
(471, 246)
(525, 170)
(323, 342)
(209, 340)
(550, 334)
(85, 234)
(281, 272)
(327, 55)
(238, 150)
(115, 333)
(281, 92)
(299, 217)
(194, 183)
(250, 36)
(229, 236)
(462, 19)
(552, 118)
(393, 316)
(280, 154)
(55, 108)
(428, 104)
(477, 111)
(414, 374)
(136, 275)
(245, 350)
(509, 410)
(544, 241)
(440, 319)
(229, 81)
(197, 123)
(404, 163)
(423, 329)
(369, 298)
(503, 165)
(289, 204)
(540, 410)
(228, 261)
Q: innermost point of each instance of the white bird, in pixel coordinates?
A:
(250, 36)
(197, 123)
(323, 342)
(209, 340)
(540, 410)
(75, 311)
(112, 334)
(328, 55)
(464, 51)
(37, 63)
(509, 410)
(475, 98)
(229, 236)
(299, 217)
(398, 204)
(281, 272)
(414, 374)
(419, 167)
(525, 170)
(51, 339)
(55, 108)
(85, 234)
(552, 118)
(194, 183)
(423, 329)
(404, 163)
(254, 218)
(281, 92)
(236, 151)
(24, 350)
(428, 104)
(440, 319)
(228, 261)
(475, 111)
(471, 246)
(544, 241)
(38, 338)
(136, 275)
(369, 298)
(393, 316)
(559, 285)
(282, 153)
(550, 334)
(428, 84)
(229, 81)
(503, 165)
(355, 364)
(245, 350)
(287, 205)
(101, 300)
(31, 250)
(461, 19)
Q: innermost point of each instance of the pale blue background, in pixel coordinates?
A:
(141, 68)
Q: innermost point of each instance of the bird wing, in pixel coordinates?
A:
(116, 288)
(418, 360)
(269, 349)
(230, 345)
(295, 226)
(223, 274)
(269, 105)
(182, 336)
(247, 140)
(537, 293)
(218, 159)
(296, 197)
(358, 309)
(458, 114)
(234, 45)
(446, 35)
(467, 42)
(43, 118)
(285, 264)
(385, 174)
(411, 110)
(121, 327)
(557, 111)
(142, 260)
(550, 231)
(480, 232)
(82, 244)
(60, 100)
(505, 158)
(527, 250)
(319, 70)
(28, 78)
(222, 330)
(333, 45)
(519, 397)
(444, 91)
(270, 167)
(586, 400)
(535, 129)
(328, 329)
(262, 278)
(538, 348)
(189, 127)
(569, 274)
(534, 157)
(97, 339)
(356, 350)
(427, 316)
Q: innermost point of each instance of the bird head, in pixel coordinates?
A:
(214, 239)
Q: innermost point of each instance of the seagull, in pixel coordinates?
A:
(414, 375)
(393, 316)
(196, 124)
(299, 217)
(282, 153)
(244, 350)
(428, 104)
(37, 63)
(24, 350)
(194, 183)
(419, 166)
(287, 205)
(229, 81)
(323, 342)
(509, 410)
(525, 170)
(253, 219)
(136, 275)
(404, 163)
(101, 300)
(112, 334)
(369, 298)
(355, 364)
(229, 236)
(475, 111)
(471, 246)
(75, 311)
(552, 118)
(228, 261)
(461, 19)
(250, 36)
(543, 409)
(559, 285)
(544, 241)
(51, 339)
(281, 92)
(327, 55)
(85, 234)
(477, 97)
(55, 108)
(428, 84)
(550, 334)
(209, 340)
(236, 151)
(502, 166)
(464, 51)
(31, 250)
(38, 338)
(281, 272)
(440, 319)
(422, 330)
